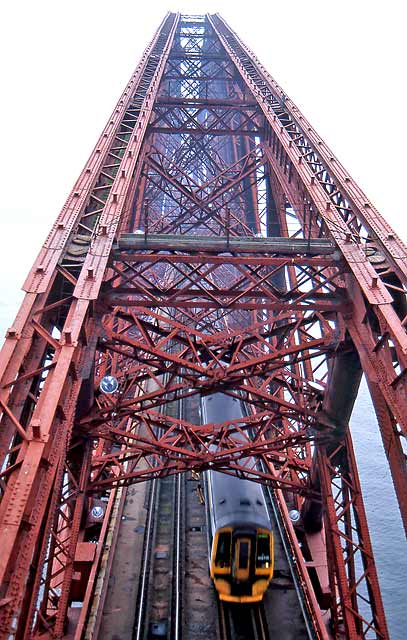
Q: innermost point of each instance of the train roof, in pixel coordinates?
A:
(237, 502)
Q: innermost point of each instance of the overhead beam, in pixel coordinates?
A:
(176, 242)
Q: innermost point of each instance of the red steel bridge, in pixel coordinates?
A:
(212, 243)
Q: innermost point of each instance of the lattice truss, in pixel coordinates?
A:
(211, 244)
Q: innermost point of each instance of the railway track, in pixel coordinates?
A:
(159, 601)
(243, 622)
(172, 596)
(200, 605)
(289, 581)
(170, 593)
(141, 608)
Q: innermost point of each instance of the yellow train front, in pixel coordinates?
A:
(241, 537)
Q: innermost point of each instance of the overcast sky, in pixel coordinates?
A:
(64, 64)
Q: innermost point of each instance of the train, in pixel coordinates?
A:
(241, 541)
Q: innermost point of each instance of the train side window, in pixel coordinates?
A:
(263, 551)
(223, 550)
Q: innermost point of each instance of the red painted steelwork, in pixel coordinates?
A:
(212, 244)
(57, 329)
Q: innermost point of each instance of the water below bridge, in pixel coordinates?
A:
(386, 530)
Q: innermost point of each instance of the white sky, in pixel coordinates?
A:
(64, 64)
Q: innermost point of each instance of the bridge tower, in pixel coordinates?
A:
(212, 243)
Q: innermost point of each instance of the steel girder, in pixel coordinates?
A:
(47, 351)
(202, 144)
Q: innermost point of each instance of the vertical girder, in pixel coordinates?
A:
(375, 254)
(57, 314)
(212, 243)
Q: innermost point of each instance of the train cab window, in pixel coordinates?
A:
(241, 561)
(243, 554)
(263, 551)
(223, 550)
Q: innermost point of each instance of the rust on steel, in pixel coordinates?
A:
(212, 243)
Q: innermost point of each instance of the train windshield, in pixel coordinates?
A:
(223, 551)
(243, 554)
(241, 563)
(263, 551)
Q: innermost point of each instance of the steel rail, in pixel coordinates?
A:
(147, 570)
(224, 626)
(177, 617)
(147, 550)
(294, 574)
(260, 622)
(178, 556)
(290, 554)
(235, 626)
(145, 573)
